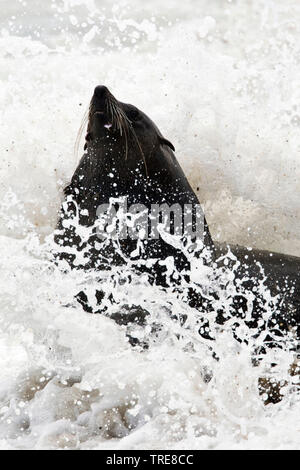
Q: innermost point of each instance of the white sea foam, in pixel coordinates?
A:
(221, 81)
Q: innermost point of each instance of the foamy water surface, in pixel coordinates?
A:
(221, 80)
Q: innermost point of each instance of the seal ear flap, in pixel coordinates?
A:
(164, 141)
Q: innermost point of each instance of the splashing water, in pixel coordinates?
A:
(222, 82)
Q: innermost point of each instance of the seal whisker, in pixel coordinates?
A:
(126, 141)
(122, 118)
(125, 122)
(80, 131)
(140, 148)
(119, 121)
(110, 111)
(115, 115)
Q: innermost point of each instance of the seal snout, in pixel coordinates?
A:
(101, 91)
(100, 97)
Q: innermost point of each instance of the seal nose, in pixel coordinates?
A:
(100, 91)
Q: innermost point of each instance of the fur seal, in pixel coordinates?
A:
(126, 156)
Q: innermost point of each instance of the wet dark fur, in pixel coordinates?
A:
(144, 169)
(281, 277)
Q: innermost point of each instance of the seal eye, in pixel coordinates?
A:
(133, 115)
